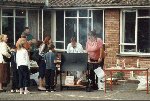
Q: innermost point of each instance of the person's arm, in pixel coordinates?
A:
(4, 50)
(81, 48)
(26, 55)
(100, 45)
(41, 49)
(68, 48)
(101, 53)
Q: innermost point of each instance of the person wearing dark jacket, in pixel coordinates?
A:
(15, 75)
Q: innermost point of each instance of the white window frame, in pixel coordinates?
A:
(77, 18)
(14, 18)
(136, 33)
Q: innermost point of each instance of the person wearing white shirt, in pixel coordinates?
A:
(75, 47)
(22, 60)
(4, 66)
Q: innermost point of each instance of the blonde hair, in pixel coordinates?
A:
(21, 44)
(1, 37)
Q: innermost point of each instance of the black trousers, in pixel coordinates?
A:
(49, 79)
(15, 80)
(24, 76)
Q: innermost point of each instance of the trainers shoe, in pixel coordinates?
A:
(12, 91)
(52, 91)
(21, 92)
(41, 89)
(26, 92)
(17, 91)
(101, 89)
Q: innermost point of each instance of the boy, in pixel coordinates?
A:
(50, 68)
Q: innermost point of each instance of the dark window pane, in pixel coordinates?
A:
(7, 12)
(129, 27)
(71, 13)
(144, 35)
(83, 13)
(46, 22)
(98, 22)
(20, 24)
(70, 30)
(7, 28)
(59, 45)
(20, 12)
(59, 25)
(144, 12)
(128, 48)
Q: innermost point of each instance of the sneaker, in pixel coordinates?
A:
(52, 91)
(21, 92)
(101, 89)
(17, 91)
(41, 89)
(2, 90)
(27, 92)
(47, 90)
(12, 91)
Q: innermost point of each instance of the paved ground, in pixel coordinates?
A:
(123, 91)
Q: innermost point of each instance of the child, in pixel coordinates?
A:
(15, 79)
(50, 68)
(22, 60)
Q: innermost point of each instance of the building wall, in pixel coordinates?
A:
(112, 40)
(112, 28)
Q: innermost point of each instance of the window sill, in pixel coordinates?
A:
(134, 55)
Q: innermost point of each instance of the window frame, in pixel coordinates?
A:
(77, 18)
(14, 19)
(136, 33)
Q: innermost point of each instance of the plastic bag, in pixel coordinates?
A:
(101, 83)
(143, 83)
(99, 72)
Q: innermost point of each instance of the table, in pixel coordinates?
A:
(111, 70)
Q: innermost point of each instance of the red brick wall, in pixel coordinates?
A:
(112, 28)
(112, 40)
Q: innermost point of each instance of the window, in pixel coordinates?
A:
(135, 35)
(13, 23)
(77, 23)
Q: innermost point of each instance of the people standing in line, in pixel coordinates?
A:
(23, 64)
(49, 58)
(42, 65)
(94, 49)
(75, 47)
(4, 66)
(27, 33)
(15, 75)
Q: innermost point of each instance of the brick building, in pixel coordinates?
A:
(124, 25)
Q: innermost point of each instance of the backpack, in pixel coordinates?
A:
(35, 56)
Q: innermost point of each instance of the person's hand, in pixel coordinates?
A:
(99, 60)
